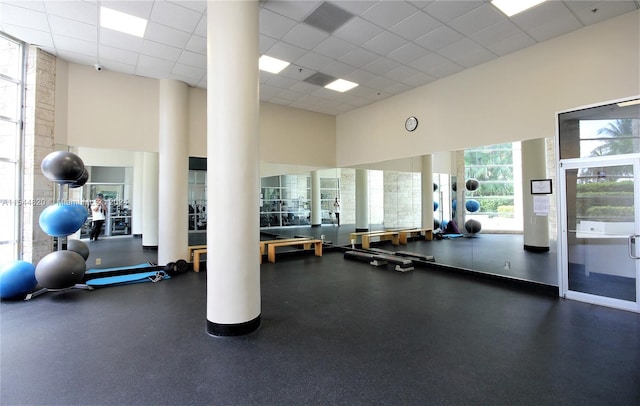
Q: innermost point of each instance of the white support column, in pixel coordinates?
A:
(137, 207)
(173, 231)
(150, 200)
(362, 200)
(534, 166)
(427, 191)
(316, 209)
(233, 182)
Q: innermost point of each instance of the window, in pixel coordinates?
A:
(493, 167)
(11, 78)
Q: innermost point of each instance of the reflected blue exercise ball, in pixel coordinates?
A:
(472, 184)
(435, 186)
(435, 206)
(473, 226)
(79, 247)
(454, 204)
(60, 220)
(443, 224)
(472, 205)
(62, 167)
(17, 278)
(60, 270)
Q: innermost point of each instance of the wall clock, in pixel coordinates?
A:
(411, 123)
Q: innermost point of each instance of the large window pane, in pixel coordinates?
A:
(612, 129)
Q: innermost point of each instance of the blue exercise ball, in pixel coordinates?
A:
(472, 205)
(60, 220)
(62, 167)
(81, 180)
(435, 186)
(79, 247)
(473, 226)
(443, 224)
(454, 204)
(435, 206)
(60, 270)
(472, 184)
(17, 278)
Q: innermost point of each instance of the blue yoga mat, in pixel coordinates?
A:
(127, 279)
(122, 268)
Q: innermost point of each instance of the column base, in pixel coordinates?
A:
(531, 248)
(361, 230)
(227, 330)
(150, 247)
(316, 225)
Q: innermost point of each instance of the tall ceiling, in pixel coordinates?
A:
(387, 47)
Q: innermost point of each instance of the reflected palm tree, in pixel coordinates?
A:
(618, 138)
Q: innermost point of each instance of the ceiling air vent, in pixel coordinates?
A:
(328, 17)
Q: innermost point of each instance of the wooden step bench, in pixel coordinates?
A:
(307, 244)
(265, 243)
(192, 248)
(197, 253)
(394, 236)
(415, 232)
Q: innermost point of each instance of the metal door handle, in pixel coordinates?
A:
(632, 241)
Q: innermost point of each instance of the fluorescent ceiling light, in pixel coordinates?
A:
(629, 103)
(513, 7)
(122, 22)
(272, 65)
(341, 85)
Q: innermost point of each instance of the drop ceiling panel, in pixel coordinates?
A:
(477, 19)
(415, 26)
(387, 46)
(334, 47)
(358, 31)
(446, 11)
(81, 11)
(305, 36)
(386, 14)
(384, 43)
(166, 35)
(175, 16)
(439, 38)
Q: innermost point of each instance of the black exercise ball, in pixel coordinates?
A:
(473, 226)
(472, 184)
(62, 167)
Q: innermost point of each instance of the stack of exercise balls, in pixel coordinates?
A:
(63, 268)
(472, 226)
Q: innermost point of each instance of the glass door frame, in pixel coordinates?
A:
(563, 253)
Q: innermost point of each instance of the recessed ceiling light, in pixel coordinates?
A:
(341, 85)
(629, 103)
(272, 65)
(122, 22)
(513, 7)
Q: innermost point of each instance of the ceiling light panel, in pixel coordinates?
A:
(341, 85)
(271, 65)
(513, 7)
(121, 22)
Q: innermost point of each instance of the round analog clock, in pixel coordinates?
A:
(411, 123)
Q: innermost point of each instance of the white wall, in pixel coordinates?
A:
(117, 111)
(509, 99)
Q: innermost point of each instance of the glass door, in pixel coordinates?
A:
(600, 258)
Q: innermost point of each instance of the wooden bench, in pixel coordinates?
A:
(394, 236)
(192, 248)
(354, 236)
(196, 257)
(415, 232)
(307, 244)
(265, 243)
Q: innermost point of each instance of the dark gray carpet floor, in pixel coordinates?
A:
(334, 332)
